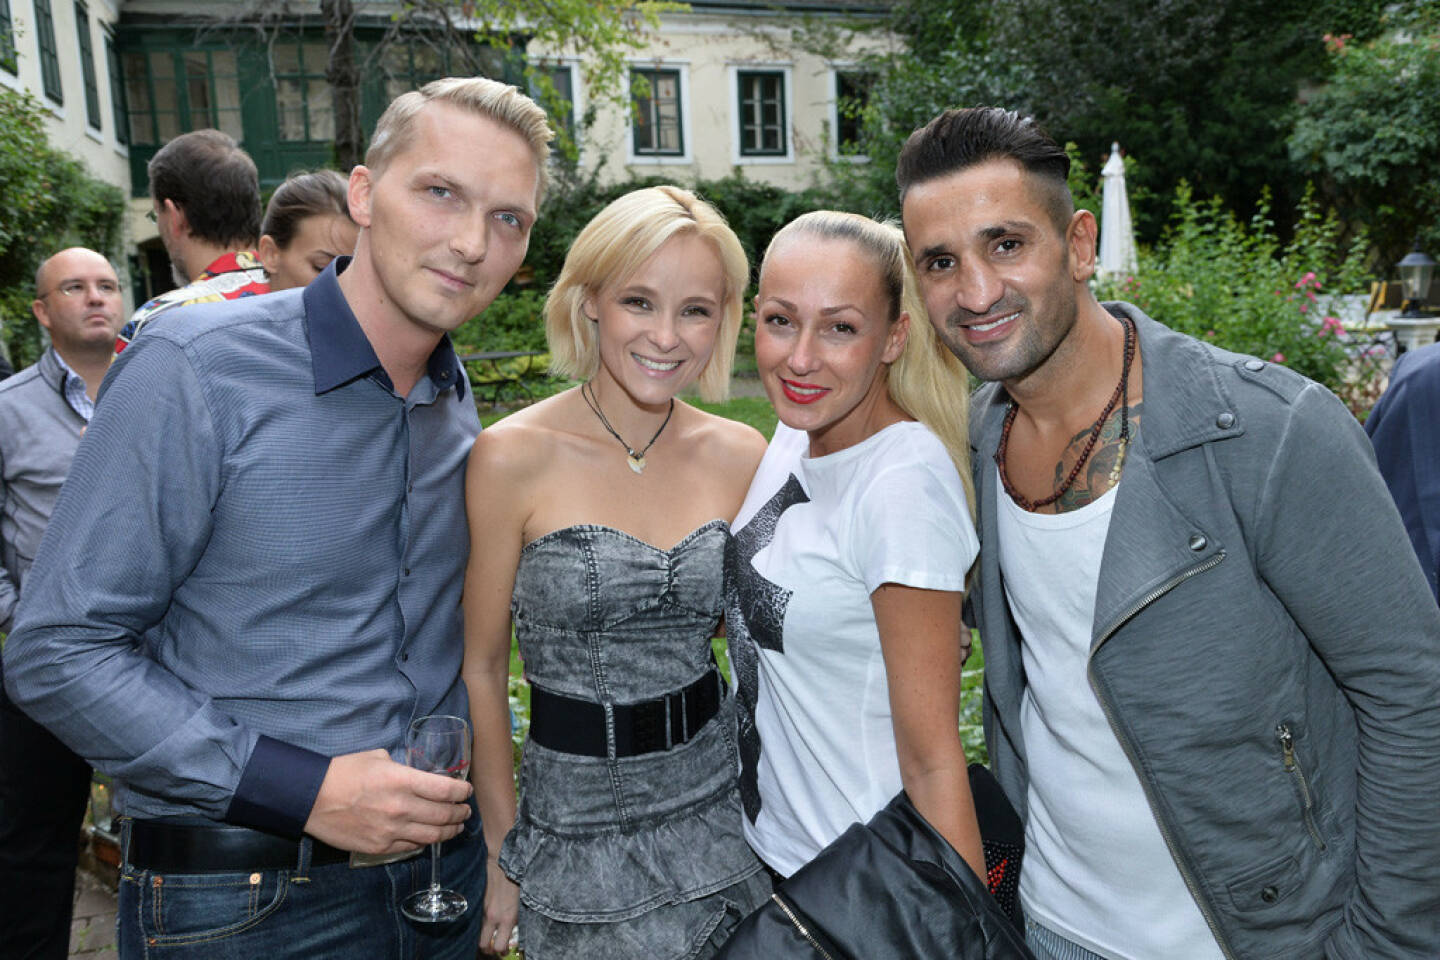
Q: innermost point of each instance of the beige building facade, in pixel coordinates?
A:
(731, 86)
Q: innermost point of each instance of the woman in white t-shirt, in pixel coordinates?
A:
(846, 573)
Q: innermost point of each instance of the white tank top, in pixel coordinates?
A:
(1097, 870)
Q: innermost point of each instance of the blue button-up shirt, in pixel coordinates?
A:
(255, 564)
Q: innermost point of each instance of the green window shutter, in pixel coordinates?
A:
(87, 65)
(49, 56)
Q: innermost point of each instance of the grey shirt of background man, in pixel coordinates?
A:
(257, 560)
(39, 429)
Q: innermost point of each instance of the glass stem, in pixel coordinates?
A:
(434, 870)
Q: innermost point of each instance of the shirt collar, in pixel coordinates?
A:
(232, 261)
(72, 387)
(65, 367)
(339, 350)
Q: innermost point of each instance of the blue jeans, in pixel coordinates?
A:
(310, 912)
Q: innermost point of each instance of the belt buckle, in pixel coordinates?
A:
(684, 715)
(360, 860)
(672, 701)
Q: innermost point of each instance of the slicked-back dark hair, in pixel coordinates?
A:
(301, 196)
(206, 174)
(959, 139)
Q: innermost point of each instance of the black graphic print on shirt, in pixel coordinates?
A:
(754, 617)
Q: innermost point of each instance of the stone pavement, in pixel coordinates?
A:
(92, 927)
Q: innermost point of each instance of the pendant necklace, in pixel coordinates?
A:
(1120, 398)
(636, 458)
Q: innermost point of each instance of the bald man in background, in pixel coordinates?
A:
(43, 411)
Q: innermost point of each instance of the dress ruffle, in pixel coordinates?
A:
(616, 875)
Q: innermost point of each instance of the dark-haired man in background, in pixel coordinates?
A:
(1212, 683)
(206, 193)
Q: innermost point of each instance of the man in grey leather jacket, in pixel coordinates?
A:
(1212, 681)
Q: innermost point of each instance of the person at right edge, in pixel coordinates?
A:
(1407, 448)
(1212, 684)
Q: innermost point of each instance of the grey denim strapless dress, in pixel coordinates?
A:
(631, 857)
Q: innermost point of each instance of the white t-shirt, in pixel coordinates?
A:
(815, 537)
(1097, 870)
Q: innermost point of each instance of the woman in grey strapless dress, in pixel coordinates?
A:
(653, 839)
(598, 529)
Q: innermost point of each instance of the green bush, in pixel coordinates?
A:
(515, 321)
(47, 202)
(754, 210)
(1235, 285)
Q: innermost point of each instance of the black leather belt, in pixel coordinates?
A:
(576, 726)
(186, 848)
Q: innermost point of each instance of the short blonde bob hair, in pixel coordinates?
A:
(500, 102)
(612, 247)
(926, 381)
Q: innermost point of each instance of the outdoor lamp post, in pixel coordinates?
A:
(1415, 270)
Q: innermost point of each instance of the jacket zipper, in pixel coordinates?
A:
(800, 926)
(1185, 874)
(1287, 746)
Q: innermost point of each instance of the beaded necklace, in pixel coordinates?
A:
(1121, 396)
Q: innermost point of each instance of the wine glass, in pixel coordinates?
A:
(437, 744)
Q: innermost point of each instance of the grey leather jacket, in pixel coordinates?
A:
(1267, 652)
(39, 431)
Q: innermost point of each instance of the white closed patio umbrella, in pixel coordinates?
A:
(1117, 235)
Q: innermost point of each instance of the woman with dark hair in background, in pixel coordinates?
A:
(306, 225)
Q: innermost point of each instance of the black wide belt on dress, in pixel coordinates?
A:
(188, 848)
(568, 725)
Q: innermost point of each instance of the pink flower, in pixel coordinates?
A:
(1278, 358)
(1304, 307)
(1210, 334)
(1331, 325)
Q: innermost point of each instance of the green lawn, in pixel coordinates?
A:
(755, 411)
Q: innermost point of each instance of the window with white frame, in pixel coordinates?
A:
(558, 98)
(658, 127)
(760, 102)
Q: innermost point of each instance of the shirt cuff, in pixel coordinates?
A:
(278, 788)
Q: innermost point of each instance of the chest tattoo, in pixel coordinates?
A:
(1104, 468)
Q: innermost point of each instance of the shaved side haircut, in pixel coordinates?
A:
(959, 139)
